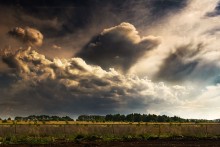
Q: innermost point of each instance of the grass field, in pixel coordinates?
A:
(36, 132)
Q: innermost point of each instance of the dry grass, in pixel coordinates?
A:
(63, 128)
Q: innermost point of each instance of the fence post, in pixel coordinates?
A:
(113, 131)
(159, 130)
(64, 130)
(206, 130)
(15, 129)
(170, 129)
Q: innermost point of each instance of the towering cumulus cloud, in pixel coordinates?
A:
(119, 47)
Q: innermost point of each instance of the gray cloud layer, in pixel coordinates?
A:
(119, 47)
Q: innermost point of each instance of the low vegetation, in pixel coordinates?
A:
(45, 129)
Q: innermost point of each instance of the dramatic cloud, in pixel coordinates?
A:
(120, 70)
(29, 36)
(71, 86)
(189, 50)
(179, 64)
(119, 47)
(215, 12)
(191, 62)
(61, 21)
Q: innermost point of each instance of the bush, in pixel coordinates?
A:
(4, 121)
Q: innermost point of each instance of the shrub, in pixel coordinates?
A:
(4, 121)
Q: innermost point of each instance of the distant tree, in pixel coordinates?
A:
(94, 118)
(83, 118)
(109, 117)
(117, 117)
(130, 117)
(67, 118)
(152, 118)
(55, 118)
(123, 118)
(18, 118)
(4, 121)
(137, 117)
(163, 118)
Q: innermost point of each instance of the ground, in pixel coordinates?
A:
(149, 143)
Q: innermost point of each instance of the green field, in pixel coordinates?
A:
(38, 132)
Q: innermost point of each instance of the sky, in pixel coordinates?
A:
(101, 57)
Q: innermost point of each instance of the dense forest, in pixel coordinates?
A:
(134, 117)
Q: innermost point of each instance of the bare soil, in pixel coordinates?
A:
(148, 143)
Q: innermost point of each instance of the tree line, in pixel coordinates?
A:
(43, 118)
(136, 117)
(133, 117)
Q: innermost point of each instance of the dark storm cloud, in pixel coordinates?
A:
(71, 86)
(119, 47)
(175, 67)
(215, 12)
(61, 21)
(161, 8)
(79, 14)
(6, 79)
(191, 62)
